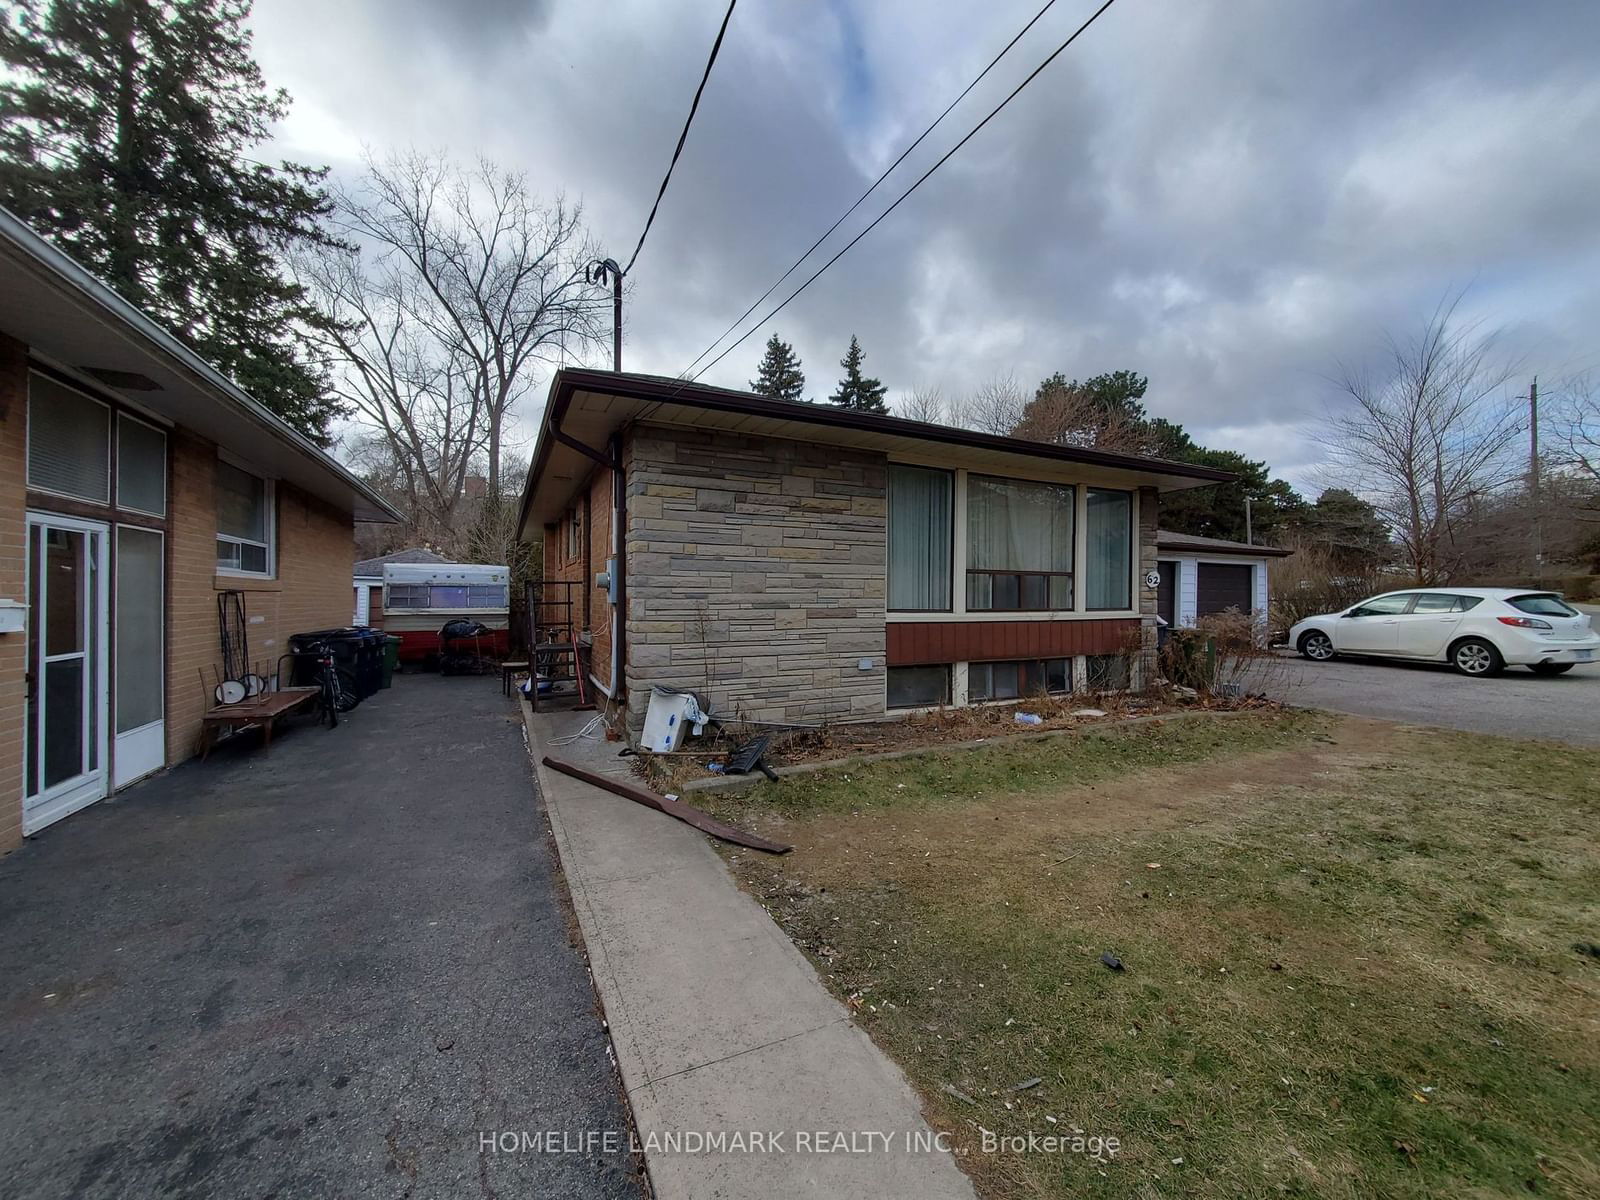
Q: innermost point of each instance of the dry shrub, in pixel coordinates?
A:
(1310, 582)
(1226, 657)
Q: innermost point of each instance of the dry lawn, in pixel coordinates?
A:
(1349, 950)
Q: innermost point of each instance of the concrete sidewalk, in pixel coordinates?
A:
(720, 1024)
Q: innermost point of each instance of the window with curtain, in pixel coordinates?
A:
(1019, 545)
(69, 441)
(921, 501)
(1109, 534)
(141, 467)
(244, 521)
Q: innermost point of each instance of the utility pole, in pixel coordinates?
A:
(1533, 480)
(600, 270)
(1248, 538)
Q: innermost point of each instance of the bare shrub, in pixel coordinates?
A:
(1311, 581)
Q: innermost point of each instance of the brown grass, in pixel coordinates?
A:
(1350, 970)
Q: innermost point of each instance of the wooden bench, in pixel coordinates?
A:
(257, 710)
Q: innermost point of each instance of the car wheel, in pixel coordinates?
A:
(1549, 668)
(1476, 657)
(1316, 646)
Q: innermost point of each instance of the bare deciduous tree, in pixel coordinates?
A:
(924, 404)
(1070, 416)
(1576, 426)
(461, 284)
(997, 406)
(1427, 436)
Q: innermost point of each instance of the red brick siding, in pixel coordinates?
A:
(912, 643)
(590, 610)
(315, 545)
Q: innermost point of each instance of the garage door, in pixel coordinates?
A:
(1221, 586)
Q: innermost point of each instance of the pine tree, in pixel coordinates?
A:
(779, 374)
(864, 394)
(126, 128)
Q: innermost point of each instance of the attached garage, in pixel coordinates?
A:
(1201, 576)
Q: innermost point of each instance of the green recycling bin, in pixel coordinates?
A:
(391, 660)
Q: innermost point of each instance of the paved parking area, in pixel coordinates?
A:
(1516, 704)
(324, 970)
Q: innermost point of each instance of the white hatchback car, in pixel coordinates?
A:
(1479, 631)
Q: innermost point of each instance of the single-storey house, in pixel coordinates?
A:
(368, 580)
(800, 562)
(1201, 576)
(137, 485)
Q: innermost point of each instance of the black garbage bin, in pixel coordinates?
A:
(357, 654)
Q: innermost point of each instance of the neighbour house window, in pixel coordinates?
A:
(69, 442)
(574, 534)
(921, 501)
(1015, 680)
(1019, 545)
(1109, 554)
(141, 467)
(244, 521)
(919, 687)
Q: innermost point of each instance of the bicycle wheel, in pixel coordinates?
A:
(345, 680)
(330, 697)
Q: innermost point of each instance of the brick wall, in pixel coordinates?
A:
(756, 572)
(590, 609)
(13, 582)
(315, 546)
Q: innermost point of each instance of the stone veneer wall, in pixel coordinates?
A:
(756, 574)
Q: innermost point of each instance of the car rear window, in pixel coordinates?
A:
(1543, 604)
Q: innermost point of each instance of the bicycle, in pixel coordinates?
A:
(337, 685)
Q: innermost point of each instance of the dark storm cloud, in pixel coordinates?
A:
(1227, 196)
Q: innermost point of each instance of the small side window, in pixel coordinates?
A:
(1468, 603)
(919, 687)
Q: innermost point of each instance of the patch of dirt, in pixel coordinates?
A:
(831, 743)
(855, 846)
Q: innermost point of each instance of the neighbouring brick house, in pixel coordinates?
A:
(799, 562)
(136, 486)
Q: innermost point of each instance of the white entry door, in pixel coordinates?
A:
(141, 726)
(68, 633)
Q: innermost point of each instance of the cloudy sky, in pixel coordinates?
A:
(1230, 196)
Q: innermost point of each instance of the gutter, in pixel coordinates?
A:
(92, 291)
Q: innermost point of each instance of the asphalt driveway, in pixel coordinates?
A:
(328, 970)
(1518, 704)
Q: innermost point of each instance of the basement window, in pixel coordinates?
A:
(919, 687)
(1019, 679)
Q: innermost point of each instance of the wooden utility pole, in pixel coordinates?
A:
(1533, 480)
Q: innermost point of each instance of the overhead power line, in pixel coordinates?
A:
(923, 178)
(977, 79)
(682, 137)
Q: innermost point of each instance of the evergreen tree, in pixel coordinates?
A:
(779, 374)
(126, 131)
(858, 392)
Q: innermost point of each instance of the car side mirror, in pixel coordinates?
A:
(1352, 613)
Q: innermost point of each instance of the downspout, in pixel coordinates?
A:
(619, 515)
